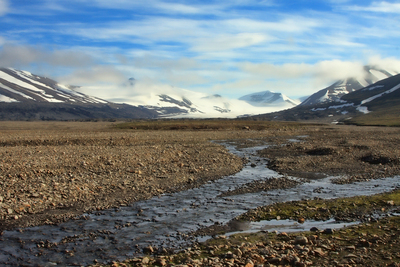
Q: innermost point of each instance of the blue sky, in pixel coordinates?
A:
(222, 47)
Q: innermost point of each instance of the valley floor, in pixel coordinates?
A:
(54, 171)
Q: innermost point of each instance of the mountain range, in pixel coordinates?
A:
(25, 96)
(370, 105)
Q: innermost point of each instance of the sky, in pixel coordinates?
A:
(231, 48)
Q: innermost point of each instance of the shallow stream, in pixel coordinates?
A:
(167, 221)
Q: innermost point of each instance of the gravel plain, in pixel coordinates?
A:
(54, 171)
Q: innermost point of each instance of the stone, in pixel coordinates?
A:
(275, 260)
(148, 250)
(301, 240)
(145, 260)
(319, 252)
(161, 262)
(328, 231)
(229, 255)
(238, 252)
(352, 248)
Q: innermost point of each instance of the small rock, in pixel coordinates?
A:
(352, 248)
(145, 260)
(328, 231)
(161, 262)
(301, 240)
(148, 250)
(238, 252)
(319, 252)
(390, 202)
(229, 255)
(275, 260)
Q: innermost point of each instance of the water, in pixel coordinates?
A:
(165, 221)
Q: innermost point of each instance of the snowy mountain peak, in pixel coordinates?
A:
(334, 92)
(268, 98)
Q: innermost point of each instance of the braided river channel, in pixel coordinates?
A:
(167, 221)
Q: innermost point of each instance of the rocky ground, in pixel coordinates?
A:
(353, 153)
(48, 176)
(354, 246)
(53, 171)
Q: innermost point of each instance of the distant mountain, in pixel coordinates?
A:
(378, 101)
(340, 88)
(177, 102)
(268, 98)
(25, 96)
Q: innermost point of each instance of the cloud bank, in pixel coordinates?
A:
(222, 47)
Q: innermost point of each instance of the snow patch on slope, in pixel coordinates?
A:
(379, 95)
(7, 99)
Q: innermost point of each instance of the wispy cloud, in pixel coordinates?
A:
(102, 75)
(20, 55)
(4, 7)
(381, 7)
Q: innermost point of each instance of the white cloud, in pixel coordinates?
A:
(96, 75)
(326, 70)
(21, 55)
(228, 42)
(4, 7)
(381, 7)
(390, 64)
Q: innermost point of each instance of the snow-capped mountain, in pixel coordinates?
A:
(340, 88)
(170, 101)
(25, 96)
(23, 86)
(269, 99)
(381, 98)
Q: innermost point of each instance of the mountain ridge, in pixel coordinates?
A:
(382, 97)
(335, 91)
